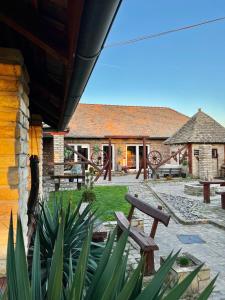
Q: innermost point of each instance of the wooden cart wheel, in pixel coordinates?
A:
(155, 157)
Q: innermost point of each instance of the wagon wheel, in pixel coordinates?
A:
(99, 157)
(155, 157)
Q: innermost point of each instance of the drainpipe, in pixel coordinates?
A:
(97, 19)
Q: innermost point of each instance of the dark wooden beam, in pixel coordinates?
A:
(190, 157)
(34, 4)
(39, 89)
(140, 137)
(43, 105)
(34, 38)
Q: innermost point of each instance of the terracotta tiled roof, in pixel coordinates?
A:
(201, 128)
(97, 120)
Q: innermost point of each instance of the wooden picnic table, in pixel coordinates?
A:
(68, 176)
(206, 188)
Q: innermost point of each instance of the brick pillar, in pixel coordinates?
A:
(36, 145)
(58, 147)
(14, 126)
(205, 162)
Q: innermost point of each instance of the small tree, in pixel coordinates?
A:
(88, 194)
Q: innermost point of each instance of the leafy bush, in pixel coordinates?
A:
(109, 282)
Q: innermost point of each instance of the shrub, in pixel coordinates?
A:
(75, 230)
(183, 261)
(110, 280)
(88, 194)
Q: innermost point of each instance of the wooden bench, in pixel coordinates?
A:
(146, 242)
(222, 193)
(166, 171)
(58, 178)
(206, 188)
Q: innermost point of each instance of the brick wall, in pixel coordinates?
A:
(120, 144)
(48, 156)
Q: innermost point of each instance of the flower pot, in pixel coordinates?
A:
(178, 273)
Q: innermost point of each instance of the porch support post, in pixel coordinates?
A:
(110, 160)
(58, 147)
(14, 125)
(36, 144)
(190, 157)
(144, 158)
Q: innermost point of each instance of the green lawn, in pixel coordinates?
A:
(108, 200)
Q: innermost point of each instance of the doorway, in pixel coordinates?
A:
(105, 149)
(135, 156)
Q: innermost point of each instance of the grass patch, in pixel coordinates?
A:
(108, 200)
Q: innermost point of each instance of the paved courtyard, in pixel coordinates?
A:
(212, 252)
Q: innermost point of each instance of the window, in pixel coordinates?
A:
(81, 149)
(196, 152)
(214, 153)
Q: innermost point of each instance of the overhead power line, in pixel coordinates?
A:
(155, 35)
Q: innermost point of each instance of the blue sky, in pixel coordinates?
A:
(184, 70)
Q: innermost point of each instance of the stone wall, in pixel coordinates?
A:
(216, 162)
(205, 162)
(14, 124)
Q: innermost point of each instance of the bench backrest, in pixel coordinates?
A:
(149, 210)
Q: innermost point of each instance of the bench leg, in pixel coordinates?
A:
(223, 201)
(57, 185)
(119, 232)
(149, 263)
(79, 186)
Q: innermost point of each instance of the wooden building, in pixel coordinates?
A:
(48, 50)
(92, 125)
(205, 140)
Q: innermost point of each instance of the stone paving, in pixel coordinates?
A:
(212, 252)
(187, 208)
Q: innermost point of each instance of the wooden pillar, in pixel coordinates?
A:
(110, 160)
(144, 158)
(206, 192)
(190, 157)
(224, 154)
(36, 144)
(223, 201)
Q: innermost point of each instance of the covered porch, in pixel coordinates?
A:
(48, 50)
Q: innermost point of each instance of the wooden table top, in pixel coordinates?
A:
(67, 176)
(220, 192)
(211, 181)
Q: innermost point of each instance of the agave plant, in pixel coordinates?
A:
(109, 282)
(75, 229)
